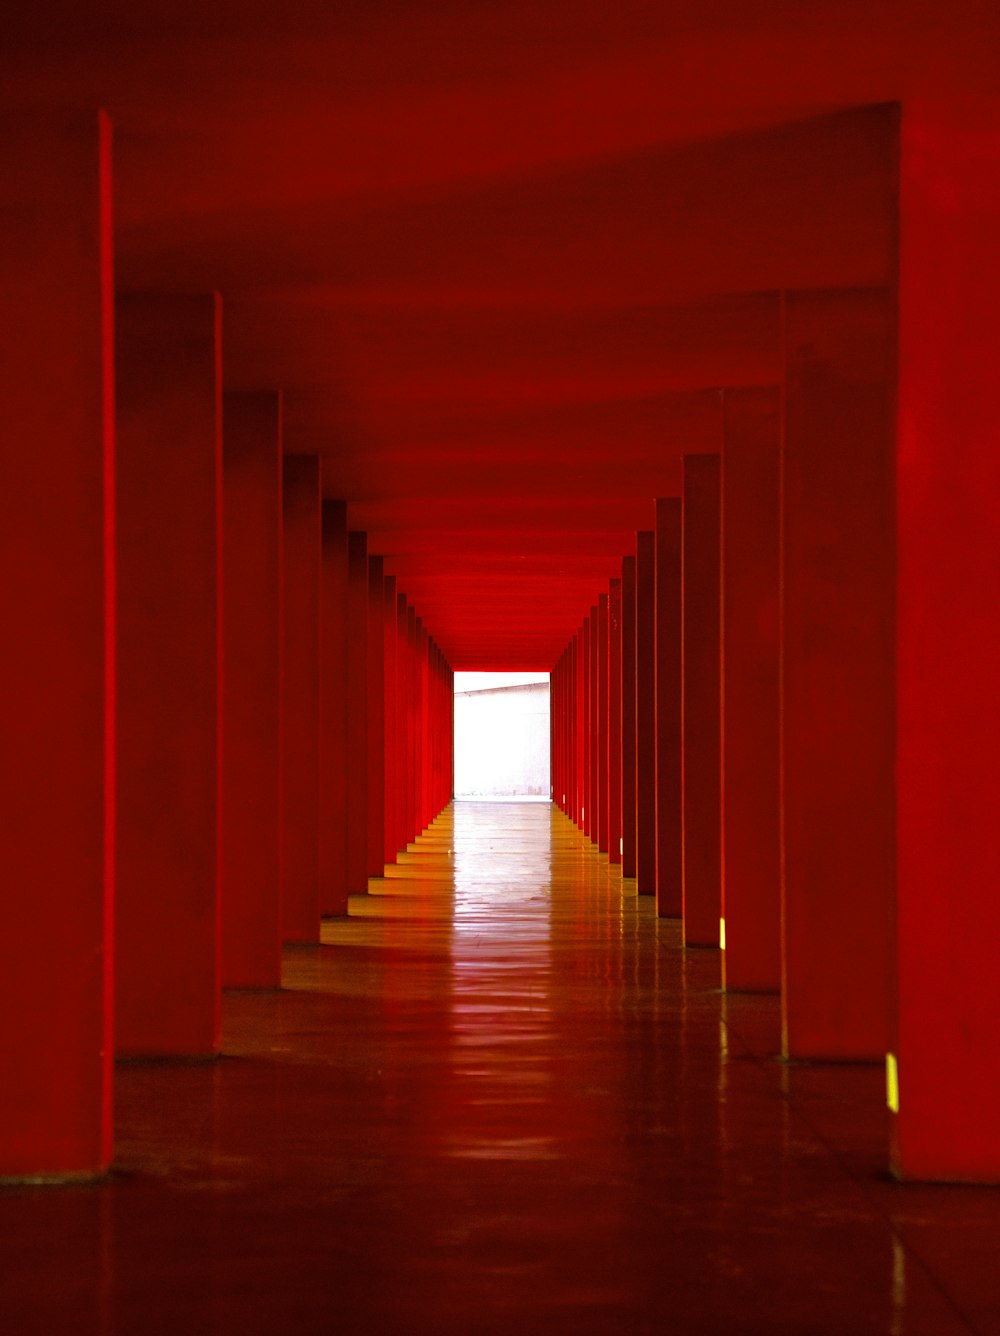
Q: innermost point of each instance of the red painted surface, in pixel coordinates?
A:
(838, 702)
(356, 697)
(410, 827)
(751, 871)
(615, 722)
(376, 717)
(587, 803)
(603, 723)
(252, 691)
(580, 724)
(701, 702)
(628, 717)
(390, 631)
(645, 706)
(501, 334)
(669, 694)
(405, 722)
(169, 627)
(302, 558)
(594, 723)
(57, 665)
(331, 664)
(948, 656)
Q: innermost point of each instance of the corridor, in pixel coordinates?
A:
(499, 1097)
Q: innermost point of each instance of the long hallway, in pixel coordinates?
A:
(499, 1097)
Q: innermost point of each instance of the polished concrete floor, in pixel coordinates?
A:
(500, 1098)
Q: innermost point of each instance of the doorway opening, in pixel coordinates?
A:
(502, 749)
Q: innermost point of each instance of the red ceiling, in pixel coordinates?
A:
(503, 258)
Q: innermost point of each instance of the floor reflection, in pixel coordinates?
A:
(500, 1098)
(500, 971)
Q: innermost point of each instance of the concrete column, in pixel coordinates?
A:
(376, 717)
(702, 705)
(252, 680)
(357, 713)
(837, 673)
(390, 845)
(334, 763)
(587, 807)
(751, 880)
(628, 716)
(57, 668)
(412, 727)
(645, 707)
(426, 739)
(572, 809)
(944, 1032)
(603, 724)
(403, 717)
(302, 557)
(582, 770)
(615, 722)
(669, 694)
(594, 727)
(170, 674)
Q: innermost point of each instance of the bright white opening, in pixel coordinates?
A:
(502, 736)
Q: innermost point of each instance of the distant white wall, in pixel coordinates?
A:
(502, 742)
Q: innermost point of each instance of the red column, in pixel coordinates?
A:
(594, 726)
(582, 770)
(615, 722)
(645, 712)
(669, 694)
(751, 880)
(628, 716)
(587, 806)
(357, 713)
(449, 768)
(301, 553)
(948, 656)
(376, 717)
(571, 741)
(425, 729)
(390, 844)
(701, 715)
(334, 767)
(57, 665)
(603, 724)
(403, 716)
(252, 662)
(555, 731)
(837, 673)
(170, 674)
(412, 728)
